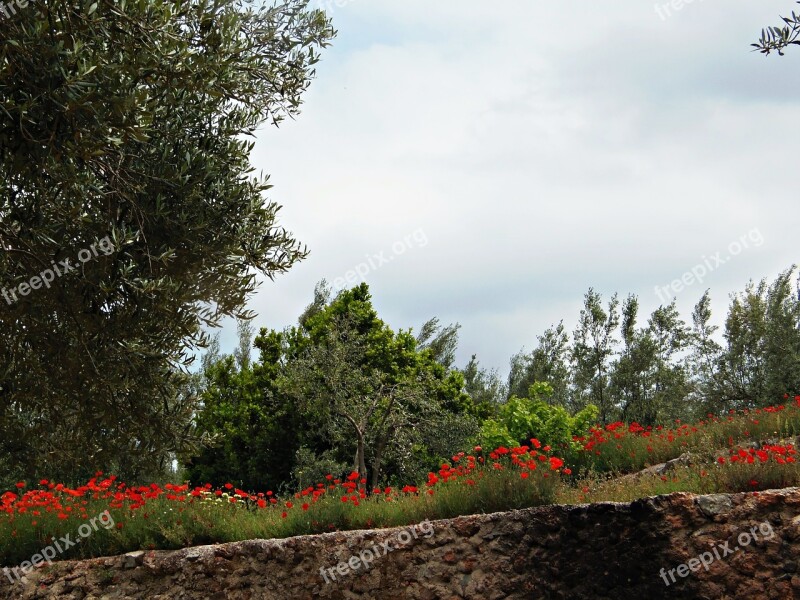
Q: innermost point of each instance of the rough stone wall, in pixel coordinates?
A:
(602, 551)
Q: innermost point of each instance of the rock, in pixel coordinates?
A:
(714, 504)
(132, 559)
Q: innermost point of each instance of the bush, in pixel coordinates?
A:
(521, 419)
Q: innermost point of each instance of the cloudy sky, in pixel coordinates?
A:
(495, 160)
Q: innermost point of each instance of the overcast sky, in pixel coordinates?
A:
(494, 160)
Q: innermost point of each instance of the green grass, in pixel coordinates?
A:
(183, 520)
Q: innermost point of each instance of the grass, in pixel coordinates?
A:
(724, 459)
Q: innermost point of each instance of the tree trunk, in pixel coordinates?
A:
(361, 464)
(376, 461)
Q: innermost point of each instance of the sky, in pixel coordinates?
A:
(487, 163)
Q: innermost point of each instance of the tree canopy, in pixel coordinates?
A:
(128, 122)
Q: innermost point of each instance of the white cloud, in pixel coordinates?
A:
(543, 148)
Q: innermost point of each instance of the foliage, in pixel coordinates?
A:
(128, 122)
(650, 380)
(521, 419)
(364, 379)
(592, 351)
(340, 387)
(761, 357)
(549, 362)
(484, 387)
(440, 341)
(253, 430)
(777, 39)
(310, 469)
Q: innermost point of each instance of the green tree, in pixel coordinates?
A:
(633, 365)
(127, 123)
(761, 358)
(253, 432)
(440, 341)
(592, 352)
(484, 387)
(671, 382)
(742, 366)
(340, 387)
(371, 386)
(650, 379)
(782, 344)
(549, 362)
(704, 359)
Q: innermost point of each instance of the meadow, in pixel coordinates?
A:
(743, 451)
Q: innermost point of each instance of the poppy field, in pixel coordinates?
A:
(741, 451)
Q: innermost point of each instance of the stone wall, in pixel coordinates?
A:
(602, 551)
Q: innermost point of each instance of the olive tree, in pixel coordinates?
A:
(127, 125)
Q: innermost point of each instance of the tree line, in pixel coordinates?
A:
(341, 390)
